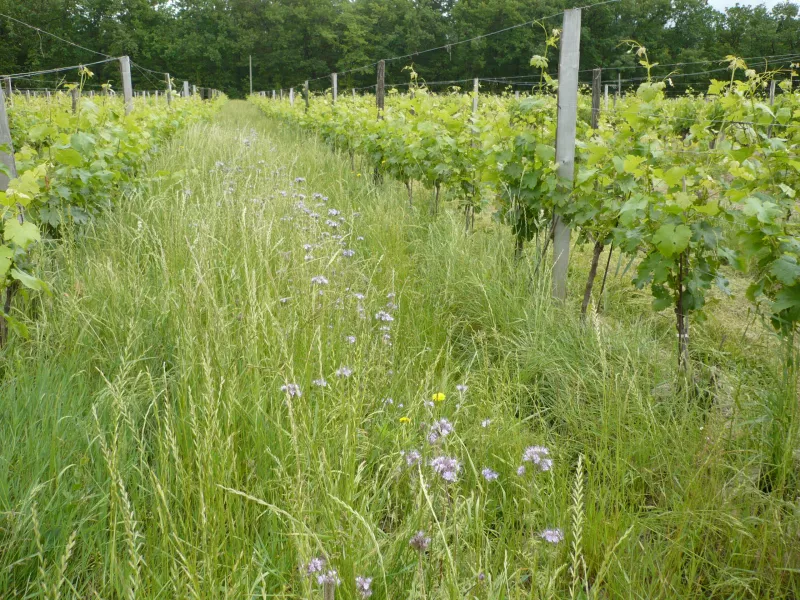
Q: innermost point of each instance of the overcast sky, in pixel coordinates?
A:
(723, 4)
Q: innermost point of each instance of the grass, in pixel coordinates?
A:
(149, 451)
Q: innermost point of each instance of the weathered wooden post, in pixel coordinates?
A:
(305, 93)
(251, 75)
(568, 65)
(194, 90)
(127, 87)
(380, 88)
(475, 88)
(7, 158)
(335, 85)
(169, 90)
(185, 89)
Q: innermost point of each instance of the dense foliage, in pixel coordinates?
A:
(70, 167)
(293, 40)
(690, 186)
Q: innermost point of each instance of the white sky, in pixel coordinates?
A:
(721, 5)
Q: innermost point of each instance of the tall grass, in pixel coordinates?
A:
(148, 450)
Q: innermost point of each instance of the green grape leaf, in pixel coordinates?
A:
(671, 240)
(22, 234)
(29, 281)
(69, 156)
(785, 269)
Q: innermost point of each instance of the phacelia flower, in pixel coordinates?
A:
(538, 455)
(384, 316)
(521, 470)
(292, 389)
(331, 577)
(461, 388)
(552, 535)
(351, 339)
(489, 475)
(315, 565)
(319, 280)
(412, 457)
(364, 586)
(348, 253)
(344, 372)
(420, 541)
(320, 382)
(440, 429)
(447, 468)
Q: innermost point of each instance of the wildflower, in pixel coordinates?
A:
(440, 429)
(284, 300)
(348, 253)
(360, 238)
(315, 565)
(331, 223)
(489, 475)
(387, 339)
(390, 296)
(412, 457)
(292, 389)
(521, 470)
(332, 212)
(438, 397)
(388, 401)
(538, 456)
(384, 316)
(331, 577)
(308, 257)
(351, 339)
(363, 586)
(405, 420)
(420, 541)
(300, 180)
(308, 247)
(485, 423)
(358, 296)
(447, 468)
(429, 404)
(552, 535)
(344, 371)
(461, 388)
(320, 383)
(319, 280)
(391, 306)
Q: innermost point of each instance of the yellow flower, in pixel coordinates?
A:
(438, 397)
(405, 420)
(358, 174)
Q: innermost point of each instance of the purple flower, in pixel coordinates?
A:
(331, 223)
(332, 212)
(331, 577)
(308, 247)
(420, 541)
(351, 339)
(315, 565)
(344, 371)
(384, 316)
(552, 535)
(348, 253)
(447, 468)
(320, 382)
(485, 423)
(364, 586)
(521, 470)
(300, 180)
(440, 429)
(489, 475)
(412, 457)
(461, 388)
(538, 455)
(319, 280)
(292, 389)
(358, 295)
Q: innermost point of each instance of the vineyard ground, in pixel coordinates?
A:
(146, 413)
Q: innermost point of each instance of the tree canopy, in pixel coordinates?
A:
(209, 41)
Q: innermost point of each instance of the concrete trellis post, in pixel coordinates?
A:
(169, 90)
(568, 66)
(127, 87)
(5, 140)
(185, 89)
(335, 86)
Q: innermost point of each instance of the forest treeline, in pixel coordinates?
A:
(209, 41)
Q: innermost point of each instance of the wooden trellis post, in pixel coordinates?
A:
(305, 93)
(169, 91)
(597, 75)
(335, 85)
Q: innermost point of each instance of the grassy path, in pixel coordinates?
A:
(154, 414)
